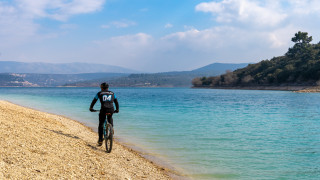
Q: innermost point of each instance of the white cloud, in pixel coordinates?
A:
(140, 39)
(304, 7)
(11, 22)
(22, 14)
(182, 50)
(244, 11)
(125, 50)
(260, 28)
(58, 9)
(241, 31)
(119, 24)
(219, 40)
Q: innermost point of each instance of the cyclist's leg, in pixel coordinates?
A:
(109, 116)
(102, 118)
(110, 119)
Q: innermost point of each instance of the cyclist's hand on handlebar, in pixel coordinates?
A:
(116, 111)
(91, 109)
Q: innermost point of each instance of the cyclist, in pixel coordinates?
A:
(107, 98)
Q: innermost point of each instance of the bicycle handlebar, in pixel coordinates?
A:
(94, 110)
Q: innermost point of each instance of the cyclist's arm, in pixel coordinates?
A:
(117, 104)
(95, 99)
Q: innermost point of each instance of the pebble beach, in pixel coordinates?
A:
(38, 145)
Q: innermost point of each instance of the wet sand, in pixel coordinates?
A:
(38, 145)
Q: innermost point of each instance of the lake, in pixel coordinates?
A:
(205, 133)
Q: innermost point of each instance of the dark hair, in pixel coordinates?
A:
(104, 85)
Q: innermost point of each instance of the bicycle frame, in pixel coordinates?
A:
(107, 133)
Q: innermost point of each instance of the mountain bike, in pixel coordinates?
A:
(107, 133)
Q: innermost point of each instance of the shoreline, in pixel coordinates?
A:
(87, 136)
(274, 88)
(173, 172)
(155, 160)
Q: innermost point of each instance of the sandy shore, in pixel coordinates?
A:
(38, 145)
(315, 89)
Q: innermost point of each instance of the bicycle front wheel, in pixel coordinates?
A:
(109, 138)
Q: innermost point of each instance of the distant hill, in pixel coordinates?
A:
(51, 80)
(62, 68)
(165, 79)
(219, 68)
(300, 66)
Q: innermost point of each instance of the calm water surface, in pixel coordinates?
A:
(208, 134)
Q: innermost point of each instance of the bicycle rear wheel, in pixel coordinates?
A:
(108, 138)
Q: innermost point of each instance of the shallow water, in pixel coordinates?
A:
(209, 134)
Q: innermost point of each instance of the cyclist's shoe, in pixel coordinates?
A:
(99, 143)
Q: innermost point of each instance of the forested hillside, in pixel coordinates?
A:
(300, 66)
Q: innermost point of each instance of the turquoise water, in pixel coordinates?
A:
(208, 134)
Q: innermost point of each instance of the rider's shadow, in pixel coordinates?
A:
(95, 148)
(92, 147)
(64, 134)
(75, 137)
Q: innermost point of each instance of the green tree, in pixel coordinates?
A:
(302, 48)
(301, 38)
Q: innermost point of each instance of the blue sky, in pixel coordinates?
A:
(153, 35)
